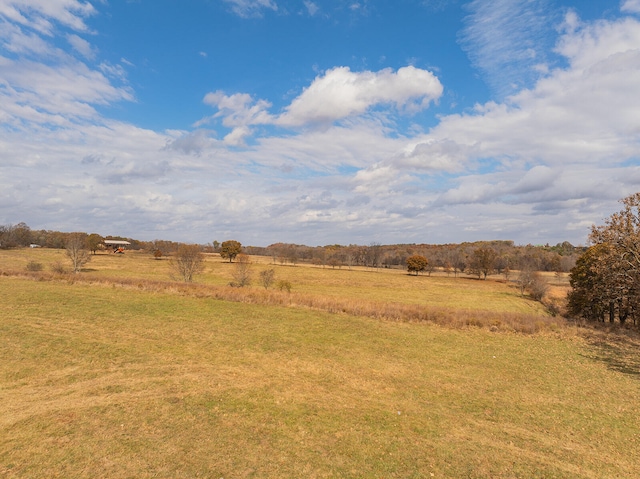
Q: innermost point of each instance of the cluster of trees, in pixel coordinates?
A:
(478, 258)
(606, 279)
(21, 235)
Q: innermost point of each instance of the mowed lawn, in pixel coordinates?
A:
(108, 382)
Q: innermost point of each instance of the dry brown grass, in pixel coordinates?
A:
(121, 380)
(384, 310)
(384, 294)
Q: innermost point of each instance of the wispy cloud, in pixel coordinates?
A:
(507, 40)
(82, 46)
(42, 16)
(312, 8)
(251, 8)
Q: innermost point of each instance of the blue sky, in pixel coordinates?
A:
(319, 122)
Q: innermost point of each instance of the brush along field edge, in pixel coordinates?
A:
(394, 311)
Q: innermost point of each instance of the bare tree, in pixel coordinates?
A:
(267, 277)
(482, 261)
(538, 286)
(76, 246)
(531, 281)
(187, 262)
(525, 278)
(242, 271)
(374, 254)
(456, 260)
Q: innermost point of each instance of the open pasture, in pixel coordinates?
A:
(355, 284)
(111, 382)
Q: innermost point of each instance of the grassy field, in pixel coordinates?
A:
(99, 380)
(385, 285)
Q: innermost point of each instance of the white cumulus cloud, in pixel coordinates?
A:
(341, 93)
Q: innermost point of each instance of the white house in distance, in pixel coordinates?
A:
(118, 246)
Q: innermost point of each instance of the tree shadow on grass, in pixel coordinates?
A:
(619, 350)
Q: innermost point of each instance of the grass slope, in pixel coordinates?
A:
(110, 382)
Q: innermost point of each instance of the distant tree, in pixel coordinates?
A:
(334, 261)
(456, 259)
(242, 272)
(6, 239)
(187, 261)
(157, 254)
(230, 249)
(506, 271)
(374, 254)
(525, 279)
(482, 262)
(15, 235)
(431, 267)
(538, 286)
(94, 242)
(501, 263)
(76, 249)
(349, 256)
(290, 254)
(446, 267)
(416, 263)
(267, 277)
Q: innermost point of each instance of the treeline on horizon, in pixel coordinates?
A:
(453, 258)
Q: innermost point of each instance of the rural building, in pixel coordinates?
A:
(118, 246)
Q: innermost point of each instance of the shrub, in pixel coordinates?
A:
(34, 266)
(284, 285)
(554, 306)
(58, 267)
(538, 287)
